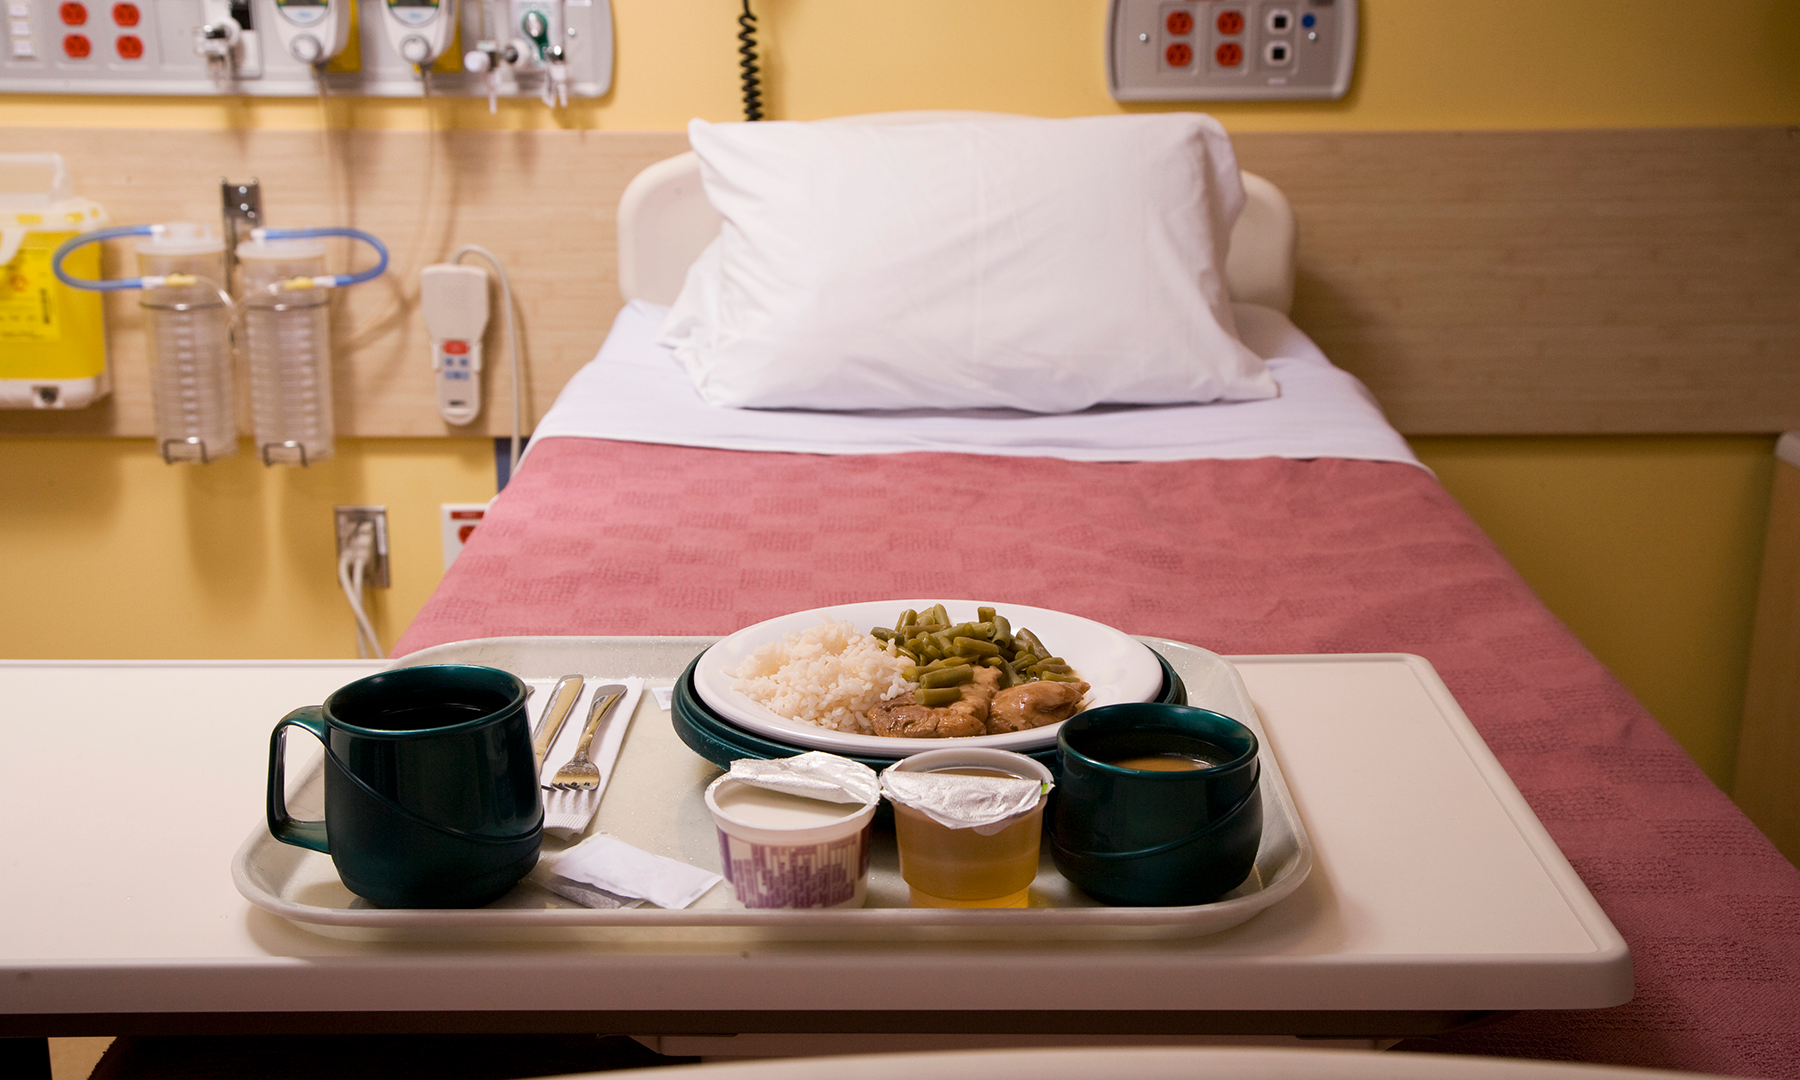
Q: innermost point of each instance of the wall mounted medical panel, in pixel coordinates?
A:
(1230, 50)
(125, 47)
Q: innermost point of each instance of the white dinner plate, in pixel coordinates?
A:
(1118, 667)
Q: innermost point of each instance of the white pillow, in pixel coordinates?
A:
(1045, 265)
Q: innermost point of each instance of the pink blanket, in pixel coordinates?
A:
(1263, 556)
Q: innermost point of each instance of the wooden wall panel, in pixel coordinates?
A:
(543, 202)
(1480, 283)
(1567, 282)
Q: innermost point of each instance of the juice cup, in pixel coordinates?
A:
(986, 865)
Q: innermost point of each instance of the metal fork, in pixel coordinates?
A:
(581, 773)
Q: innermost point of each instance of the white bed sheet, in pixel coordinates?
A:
(635, 391)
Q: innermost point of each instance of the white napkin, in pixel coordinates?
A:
(986, 804)
(601, 872)
(568, 813)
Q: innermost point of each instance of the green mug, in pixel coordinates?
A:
(431, 788)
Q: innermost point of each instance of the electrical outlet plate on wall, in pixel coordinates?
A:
(1230, 50)
(348, 518)
(458, 520)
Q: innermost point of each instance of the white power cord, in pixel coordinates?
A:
(358, 555)
(514, 352)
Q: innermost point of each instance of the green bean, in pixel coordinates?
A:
(1057, 676)
(977, 647)
(1030, 641)
(939, 615)
(937, 696)
(882, 633)
(1002, 631)
(985, 614)
(905, 620)
(950, 676)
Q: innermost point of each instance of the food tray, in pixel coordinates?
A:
(654, 802)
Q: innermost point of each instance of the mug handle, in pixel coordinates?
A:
(306, 834)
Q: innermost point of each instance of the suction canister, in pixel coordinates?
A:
(287, 334)
(187, 320)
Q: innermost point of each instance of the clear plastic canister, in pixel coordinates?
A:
(188, 327)
(288, 337)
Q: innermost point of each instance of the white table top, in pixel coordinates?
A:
(1433, 889)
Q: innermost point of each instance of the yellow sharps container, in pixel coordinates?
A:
(52, 337)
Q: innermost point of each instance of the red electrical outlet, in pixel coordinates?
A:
(126, 14)
(77, 46)
(1231, 22)
(131, 47)
(1230, 54)
(1179, 22)
(73, 14)
(1179, 54)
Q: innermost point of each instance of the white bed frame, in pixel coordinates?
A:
(665, 222)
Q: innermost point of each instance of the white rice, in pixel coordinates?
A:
(831, 675)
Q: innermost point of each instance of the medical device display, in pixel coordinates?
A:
(52, 337)
(266, 48)
(454, 301)
(313, 31)
(1230, 50)
(190, 318)
(419, 30)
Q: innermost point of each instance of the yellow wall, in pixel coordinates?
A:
(1424, 65)
(109, 553)
(1648, 548)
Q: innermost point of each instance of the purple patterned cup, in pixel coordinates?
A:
(786, 851)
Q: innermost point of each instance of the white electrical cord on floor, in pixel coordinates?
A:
(514, 353)
(353, 562)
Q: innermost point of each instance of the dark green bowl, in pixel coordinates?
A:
(721, 742)
(1195, 869)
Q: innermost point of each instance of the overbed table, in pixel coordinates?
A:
(127, 786)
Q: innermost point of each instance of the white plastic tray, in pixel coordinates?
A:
(654, 802)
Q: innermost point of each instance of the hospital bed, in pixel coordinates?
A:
(1300, 525)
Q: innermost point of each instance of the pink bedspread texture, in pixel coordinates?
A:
(1260, 556)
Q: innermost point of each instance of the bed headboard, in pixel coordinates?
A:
(665, 221)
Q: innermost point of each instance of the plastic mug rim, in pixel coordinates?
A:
(1159, 775)
(517, 701)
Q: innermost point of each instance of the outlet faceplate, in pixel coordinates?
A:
(348, 519)
(1230, 50)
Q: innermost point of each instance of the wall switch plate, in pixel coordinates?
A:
(348, 518)
(1230, 50)
(458, 520)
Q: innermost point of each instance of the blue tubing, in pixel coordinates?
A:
(355, 234)
(109, 285)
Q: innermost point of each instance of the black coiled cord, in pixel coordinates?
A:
(747, 49)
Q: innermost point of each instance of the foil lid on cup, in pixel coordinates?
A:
(812, 775)
(955, 801)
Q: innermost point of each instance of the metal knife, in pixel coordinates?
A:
(556, 711)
